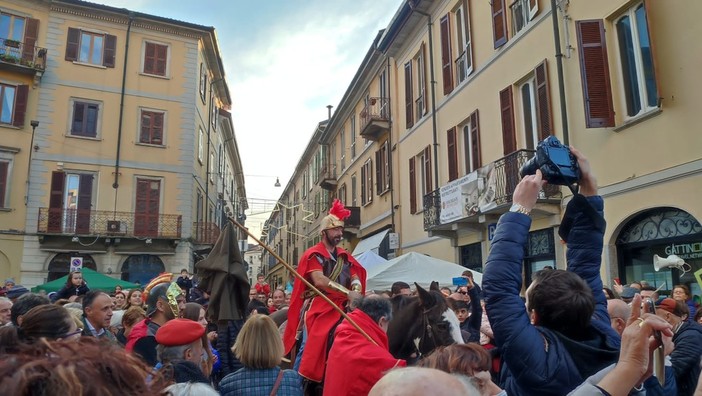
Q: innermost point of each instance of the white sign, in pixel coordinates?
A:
(468, 195)
(394, 240)
(76, 264)
(491, 231)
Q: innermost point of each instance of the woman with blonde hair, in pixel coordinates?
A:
(260, 350)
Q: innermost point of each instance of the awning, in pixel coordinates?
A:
(371, 243)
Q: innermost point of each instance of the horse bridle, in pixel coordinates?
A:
(427, 330)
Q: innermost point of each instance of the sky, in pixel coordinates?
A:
(285, 61)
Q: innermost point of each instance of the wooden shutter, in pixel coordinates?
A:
(509, 139)
(409, 115)
(108, 56)
(378, 169)
(427, 169)
(157, 131)
(3, 182)
(475, 140)
(369, 183)
(31, 33)
(58, 180)
(446, 59)
(72, 44)
(85, 203)
(412, 186)
(499, 23)
(150, 58)
(363, 185)
(452, 154)
(543, 102)
(594, 70)
(20, 105)
(651, 42)
(161, 59)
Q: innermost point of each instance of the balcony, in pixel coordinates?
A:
(327, 178)
(352, 224)
(18, 57)
(86, 222)
(375, 118)
(481, 197)
(205, 233)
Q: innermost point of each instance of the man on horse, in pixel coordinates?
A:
(340, 277)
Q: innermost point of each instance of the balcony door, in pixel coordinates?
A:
(147, 206)
(71, 203)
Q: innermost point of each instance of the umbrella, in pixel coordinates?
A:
(95, 281)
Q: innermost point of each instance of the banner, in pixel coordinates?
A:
(468, 195)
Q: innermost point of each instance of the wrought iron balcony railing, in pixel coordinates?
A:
(19, 53)
(506, 177)
(376, 110)
(205, 233)
(62, 221)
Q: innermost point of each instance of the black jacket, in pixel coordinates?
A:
(68, 291)
(686, 356)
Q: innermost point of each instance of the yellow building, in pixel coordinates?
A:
(455, 95)
(134, 163)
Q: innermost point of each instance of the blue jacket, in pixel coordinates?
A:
(259, 382)
(537, 360)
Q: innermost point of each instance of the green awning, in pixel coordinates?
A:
(95, 281)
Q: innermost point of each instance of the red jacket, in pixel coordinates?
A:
(265, 289)
(356, 364)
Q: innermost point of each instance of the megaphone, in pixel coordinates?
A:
(671, 261)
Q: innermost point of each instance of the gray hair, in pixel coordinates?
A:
(376, 307)
(5, 299)
(173, 353)
(191, 388)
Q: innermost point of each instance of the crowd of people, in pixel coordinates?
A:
(565, 334)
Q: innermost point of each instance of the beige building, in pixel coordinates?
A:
(454, 96)
(134, 164)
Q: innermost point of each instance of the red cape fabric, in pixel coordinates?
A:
(355, 364)
(320, 317)
(138, 331)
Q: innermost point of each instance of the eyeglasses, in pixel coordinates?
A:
(73, 333)
(463, 292)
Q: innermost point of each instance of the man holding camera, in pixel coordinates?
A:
(564, 335)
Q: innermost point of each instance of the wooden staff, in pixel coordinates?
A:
(305, 281)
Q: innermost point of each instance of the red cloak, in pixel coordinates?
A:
(320, 317)
(356, 364)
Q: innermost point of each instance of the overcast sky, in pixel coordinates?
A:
(285, 61)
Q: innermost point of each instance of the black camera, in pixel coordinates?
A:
(557, 164)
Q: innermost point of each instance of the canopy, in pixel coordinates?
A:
(371, 243)
(369, 259)
(415, 267)
(95, 281)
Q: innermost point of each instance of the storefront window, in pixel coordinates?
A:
(540, 252)
(472, 257)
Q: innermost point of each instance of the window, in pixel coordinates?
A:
(4, 182)
(342, 148)
(409, 101)
(11, 27)
(151, 128)
(341, 193)
(636, 57)
(203, 82)
(353, 190)
(499, 23)
(509, 139)
(71, 201)
(15, 30)
(536, 107)
(382, 168)
(452, 154)
(91, 47)
(352, 132)
(155, 59)
(201, 146)
(367, 183)
(471, 143)
(421, 87)
(13, 104)
(523, 11)
(212, 167)
(331, 171)
(220, 162)
(85, 119)
(464, 61)
(594, 73)
(446, 57)
(420, 178)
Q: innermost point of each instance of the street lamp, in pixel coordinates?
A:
(34, 124)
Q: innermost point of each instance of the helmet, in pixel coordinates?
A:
(158, 291)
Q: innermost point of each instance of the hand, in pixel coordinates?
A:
(618, 288)
(527, 191)
(212, 336)
(588, 183)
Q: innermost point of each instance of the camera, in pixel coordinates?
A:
(557, 164)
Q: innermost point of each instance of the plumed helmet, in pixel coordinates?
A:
(156, 292)
(337, 214)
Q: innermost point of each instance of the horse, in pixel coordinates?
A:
(421, 324)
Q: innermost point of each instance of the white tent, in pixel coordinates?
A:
(415, 267)
(369, 259)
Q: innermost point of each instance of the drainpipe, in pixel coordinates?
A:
(210, 109)
(559, 67)
(392, 182)
(115, 185)
(433, 90)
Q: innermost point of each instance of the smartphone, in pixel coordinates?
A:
(460, 281)
(617, 282)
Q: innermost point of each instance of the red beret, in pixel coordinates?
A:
(178, 332)
(668, 304)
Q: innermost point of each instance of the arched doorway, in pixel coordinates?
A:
(141, 268)
(662, 231)
(60, 264)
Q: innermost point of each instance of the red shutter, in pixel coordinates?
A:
(594, 70)
(475, 140)
(31, 33)
(446, 59)
(72, 44)
(161, 59)
(108, 56)
(378, 168)
(85, 203)
(412, 186)
(499, 23)
(651, 42)
(427, 169)
(452, 154)
(149, 58)
(20, 105)
(3, 182)
(157, 135)
(56, 202)
(543, 102)
(509, 139)
(409, 116)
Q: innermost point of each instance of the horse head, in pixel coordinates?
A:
(423, 323)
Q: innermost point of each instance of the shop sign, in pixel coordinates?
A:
(686, 251)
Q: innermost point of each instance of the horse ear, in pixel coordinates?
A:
(424, 296)
(434, 286)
